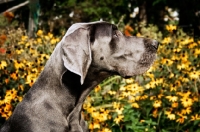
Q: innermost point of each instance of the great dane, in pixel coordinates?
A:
(87, 54)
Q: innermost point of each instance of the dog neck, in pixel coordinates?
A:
(93, 78)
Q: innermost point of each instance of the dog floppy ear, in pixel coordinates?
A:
(76, 50)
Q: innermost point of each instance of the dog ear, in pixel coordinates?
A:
(76, 50)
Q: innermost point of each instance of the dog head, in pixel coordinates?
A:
(102, 45)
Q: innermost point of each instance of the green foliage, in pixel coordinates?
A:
(5, 22)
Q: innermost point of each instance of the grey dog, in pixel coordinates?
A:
(86, 55)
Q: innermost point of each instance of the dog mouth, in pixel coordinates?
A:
(122, 75)
(127, 77)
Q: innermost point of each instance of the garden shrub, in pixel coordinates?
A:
(164, 99)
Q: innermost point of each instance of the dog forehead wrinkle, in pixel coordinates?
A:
(47, 105)
(104, 39)
(103, 30)
(137, 43)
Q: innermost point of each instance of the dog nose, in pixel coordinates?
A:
(155, 44)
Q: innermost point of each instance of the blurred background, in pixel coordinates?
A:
(164, 99)
(56, 15)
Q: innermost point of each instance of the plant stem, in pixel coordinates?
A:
(109, 80)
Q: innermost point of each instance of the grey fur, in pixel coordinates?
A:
(87, 54)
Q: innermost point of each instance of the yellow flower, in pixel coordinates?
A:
(166, 40)
(116, 105)
(7, 107)
(106, 130)
(118, 119)
(171, 116)
(195, 99)
(122, 88)
(19, 51)
(181, 119)
(30, 79)
(47, 38)
(119, 111)
(97, 88)
(39, 40)
(192, 45)
(57, 39)
(138, 35)
(112, 92)
(157, 103)
(166, 61)
(43, 57)
(187, 94)
(6, 114)
(53, 41)
(149, 74)
(183, 65)
(187, 41)
(186, 102)
(18, 64)
(172, 98)
(20, 98)
(170, 28)
(10, 95)
(159, 81)
(174, 105)
(141, 121)
(143, 97)
(152, 97)
(134, 88)
(135, 105)
(155, 113)
(196, 51)
(184, 79)
(194, 74)
(181, 94)
(50, 35)
(3, 64)
(20, 87)
(171, 75)
(90, 109)
(126, 94)
(94, 125)
(184, 57)
(103, 115)
(173, 87)
(151, 84)
(186, 111)
(195, 117)
(95, 115)
(14, 76)
(21, 42)
(129, 80)
(176, 50)
(24, 38)
(39, 32)
(6, 80)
